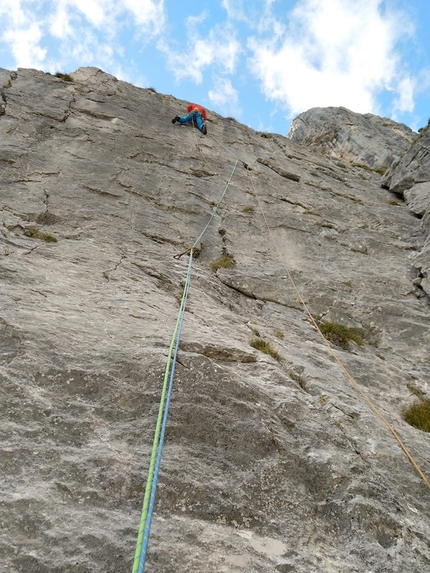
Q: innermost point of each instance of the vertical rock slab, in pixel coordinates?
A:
(273, 461)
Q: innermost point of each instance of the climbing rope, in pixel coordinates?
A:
(228, 151)
(326, 342)
(332, 351)
(157, 448)
(163, 411)
(197, 143)
(190, 249)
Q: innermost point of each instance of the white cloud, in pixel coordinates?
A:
(22, 34)
(91, 50)
(12, 10)
(95, 11)
(334, 52)
(237, 10)
(405, 100)
(219, 49)
(148, 13)
(85, 29)
(107, 14)
(225, 96)
(24, 44)
(255, 13)
(59, 21)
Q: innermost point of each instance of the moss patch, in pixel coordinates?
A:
(226, 261)
(35, 234)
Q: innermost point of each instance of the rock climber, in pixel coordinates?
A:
(196, 115)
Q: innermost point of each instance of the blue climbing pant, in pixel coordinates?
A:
(194, 116)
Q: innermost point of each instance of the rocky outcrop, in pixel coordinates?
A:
(271, 462)
(409, 177)
(412, 168)
(366, 140)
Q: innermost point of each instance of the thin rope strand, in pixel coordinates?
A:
(140, 537)
(148, 520)
(216, 207)
(150, 490)
(332, 351)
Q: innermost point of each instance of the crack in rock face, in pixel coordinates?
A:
(272, 461)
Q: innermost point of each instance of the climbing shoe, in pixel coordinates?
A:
(204, 130)
(175, 119)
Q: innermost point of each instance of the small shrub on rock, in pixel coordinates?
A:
(226, 261)
(266, 347)
(340, 334)
(394, 202)
(418, 415)
(36, 234)
(64, 77)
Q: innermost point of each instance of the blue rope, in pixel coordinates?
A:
(148, 506)
(163, 427)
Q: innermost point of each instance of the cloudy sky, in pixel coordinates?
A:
(259, 61)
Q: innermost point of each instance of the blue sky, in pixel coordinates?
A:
(259, 61)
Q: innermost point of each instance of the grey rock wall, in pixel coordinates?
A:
(409, 177)
(269, 464)
(367, 140)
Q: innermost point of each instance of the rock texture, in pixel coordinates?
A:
(409, 177)
(270, 465)
(367, 140)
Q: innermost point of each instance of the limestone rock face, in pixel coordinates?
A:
(410, 177)
(272, 462)
(367, 139)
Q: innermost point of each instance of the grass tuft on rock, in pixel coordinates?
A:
(418, 415)
(394, 202)
(415, 390)
(380, 170)
(301, 380)
(266, 347)
(226, 261)
(35, 234)
(340, 334)
(64, 77)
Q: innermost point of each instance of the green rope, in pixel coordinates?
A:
(157, 431)
(216, 207)
(222, 145)
(155, 445)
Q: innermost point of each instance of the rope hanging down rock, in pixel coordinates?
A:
(326, 342)
(194, 245)
(333, 352)
(157, 448)
(163, 411)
